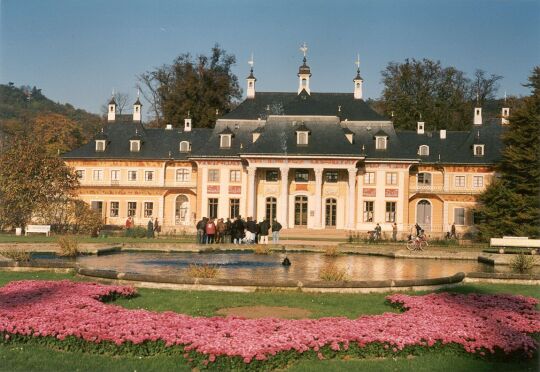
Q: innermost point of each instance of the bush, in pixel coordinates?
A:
(522, 263)
(68, 246)
(15, 254)
(135, 232)
(331, 251)
(332, 273)
(262, 249)
(202, 271)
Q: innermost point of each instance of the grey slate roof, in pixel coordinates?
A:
(324, 104)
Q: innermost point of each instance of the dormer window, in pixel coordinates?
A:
(134, 145)
(302, 138)
(478, 150)
(100, 145)
(423, 150)
(225, 141)
(380, 143)
(185, 146)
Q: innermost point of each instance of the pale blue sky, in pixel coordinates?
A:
(77, 50)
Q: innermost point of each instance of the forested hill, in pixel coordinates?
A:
(21, 106)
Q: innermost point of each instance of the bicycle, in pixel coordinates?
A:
(417, 244)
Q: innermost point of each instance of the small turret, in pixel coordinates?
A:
(111, 111)
(137, 108)
(304, 73)
(358, 80)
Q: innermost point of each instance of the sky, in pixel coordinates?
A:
(78, 51)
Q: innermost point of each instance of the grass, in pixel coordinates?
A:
(202, 271)
(7, 238)
(205, 303)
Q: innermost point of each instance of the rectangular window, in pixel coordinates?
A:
(380, 143)
(301, 175)
(234, 208)
(97, 206)
(115, 175)
(424, 179)
(369, 178)
(390, 215)
(478, 181)
(80, 174)
(368, 211)
(391, 178)
(459, 181)
(331, 176)
(459, 216)
(213, 175)
(149, 176)
(148, 209)
(271, 175)
(98, 175)
(182, 175)
(234, 176)
(132, 175)
(302, 138)
(100, 146)
(212, 207)
(115, 207)
(135, 146)
(132, 209)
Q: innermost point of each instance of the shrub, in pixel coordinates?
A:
(331, 251)
(135, 232)
(68, 246)
(15, 254)
(262, 249)
(202, 271)
(332, 273)
(522, 263)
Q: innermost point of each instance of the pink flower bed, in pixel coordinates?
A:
(64, 308)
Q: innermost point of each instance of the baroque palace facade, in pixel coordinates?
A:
(312, 160)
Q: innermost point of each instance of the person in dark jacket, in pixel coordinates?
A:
(276, 228)
(150, 229)
(263, 233)
(237, 230)
(227, 234)
(201, 225)
(251, 227)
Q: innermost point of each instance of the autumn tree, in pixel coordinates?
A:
(204, 86)
(56, 132)
(424, 90)
(511, 204)
(31, 180)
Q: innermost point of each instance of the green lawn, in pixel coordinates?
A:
(20, 357)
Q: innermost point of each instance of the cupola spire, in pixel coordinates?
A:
(358, 80)
(304, 72)
(137, 108)
(251, 80)
(111, 111)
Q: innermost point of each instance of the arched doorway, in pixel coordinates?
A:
(181, 210)
(330, 213)
(271, 204)
(300, 210)
(423, 214)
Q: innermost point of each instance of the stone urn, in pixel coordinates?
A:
(501, 250)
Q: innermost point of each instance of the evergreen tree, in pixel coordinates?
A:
(511, 205)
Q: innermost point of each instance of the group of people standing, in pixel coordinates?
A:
(238, 231)
(152, 228)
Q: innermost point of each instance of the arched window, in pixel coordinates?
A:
(302, 138)
(184, 146)
(304, 83)
(423, 150)
(181, 210)
(225, 140)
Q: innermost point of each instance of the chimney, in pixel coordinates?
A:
(420, 127)
(443, 133)
(477, 116)
(505, 114)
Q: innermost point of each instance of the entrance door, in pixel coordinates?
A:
(423, 214)
(300, 210)
(181, 210)
(330, 213)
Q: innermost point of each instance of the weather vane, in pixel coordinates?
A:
(251, 62)
(304, 49)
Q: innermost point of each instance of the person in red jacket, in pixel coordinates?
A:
(210, 231)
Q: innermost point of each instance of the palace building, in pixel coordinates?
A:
(312, 160)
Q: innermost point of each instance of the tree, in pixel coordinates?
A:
(511, 205)
(203, 88)
(56, 132)
(424, 90)
(31, 180)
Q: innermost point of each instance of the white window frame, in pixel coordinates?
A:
(481, 148)
(237, 175)
(460, 180)
(390, 216)
(186, 145)
(424, 183)
(212, 173)
(391, 178)
(130, 173)
(117, 209)
(101, 145)
(302, 138)
(145, 204)
(423, 150)
(128, 209)
(97, 175)
(115, 175)
(368, 180)
(478, 181)
(365, 215)
(381, 142)
(134, 145)
(183, 172)
(464, 216)
(148, 173)
(225, 141)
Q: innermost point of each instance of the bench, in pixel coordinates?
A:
(42, 229)
(515, 242)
